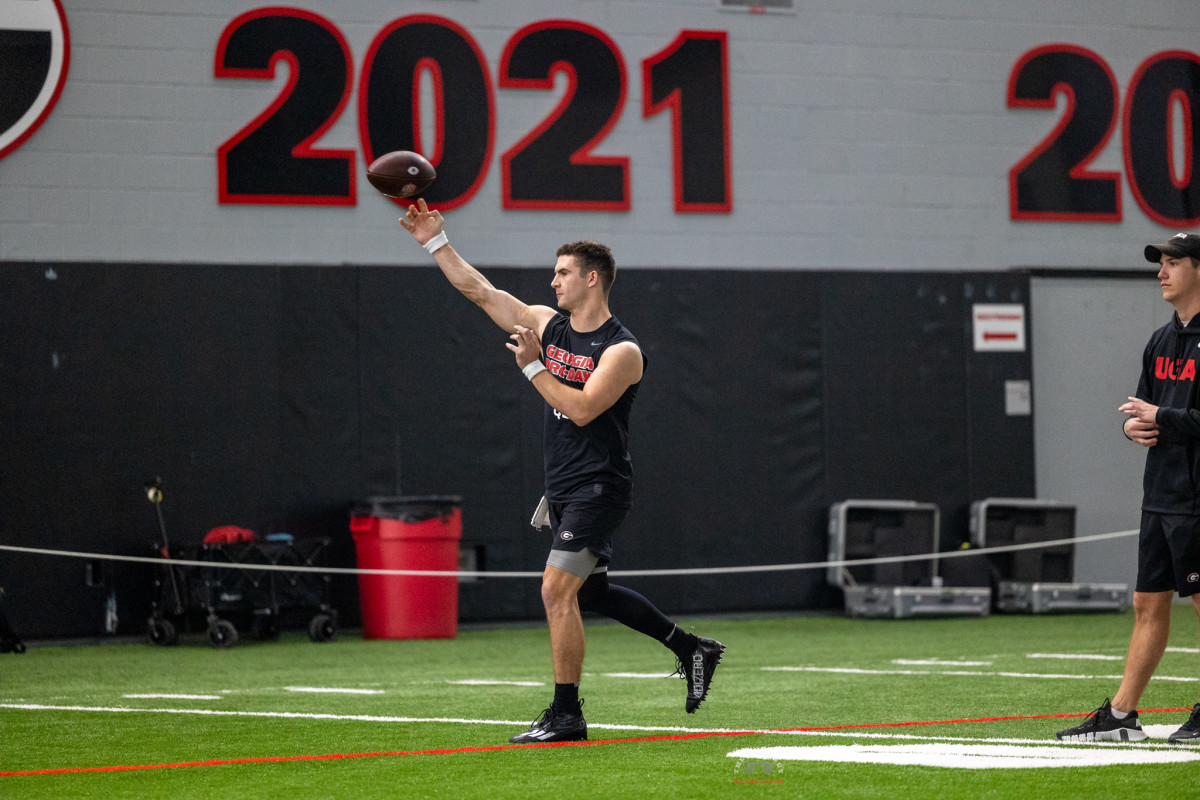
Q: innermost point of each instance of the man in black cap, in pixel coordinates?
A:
(1164, 417)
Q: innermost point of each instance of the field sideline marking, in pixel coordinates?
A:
(600, 725)
(690, 733)
(963, 673)
(334, 756)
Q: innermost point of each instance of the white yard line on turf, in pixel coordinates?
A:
(323, 690)
(496, 683)
(1075, 656)
(171, 696)
(937, 662)
(276, 714)
(639, 674)
(976, 756)
(1157, 730)
(962, 672)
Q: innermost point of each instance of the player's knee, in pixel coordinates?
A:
(1152, 606)
(557, 595)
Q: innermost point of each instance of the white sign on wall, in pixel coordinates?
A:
(999, 327)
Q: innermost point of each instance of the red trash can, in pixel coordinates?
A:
(419, 533)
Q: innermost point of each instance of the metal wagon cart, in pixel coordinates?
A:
(226, 590)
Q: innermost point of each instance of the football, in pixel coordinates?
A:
(401, 173)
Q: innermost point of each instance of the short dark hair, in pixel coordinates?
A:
(592, 256)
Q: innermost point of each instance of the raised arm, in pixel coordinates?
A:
(505, 310)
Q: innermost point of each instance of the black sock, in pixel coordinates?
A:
(632, 609)
(566, 697)
(681, 642)
(625, 606)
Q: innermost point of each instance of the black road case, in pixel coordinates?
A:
(1038, 580)
(862, 529)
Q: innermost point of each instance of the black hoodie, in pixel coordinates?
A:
(1172, 481)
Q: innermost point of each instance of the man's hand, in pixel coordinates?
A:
(1143, 433)
(422, 223)
(525, 346)
(1141, 410)
(1141, 427)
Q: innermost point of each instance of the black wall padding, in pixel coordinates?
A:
(728, 436)
(911, 411)
(276, 397)
(113, 374)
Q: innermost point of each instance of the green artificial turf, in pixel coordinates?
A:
(279, 756)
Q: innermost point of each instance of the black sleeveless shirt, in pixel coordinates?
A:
(589, 462)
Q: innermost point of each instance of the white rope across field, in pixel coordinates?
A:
(614, 573)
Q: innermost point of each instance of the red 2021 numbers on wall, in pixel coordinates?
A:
(273, 159)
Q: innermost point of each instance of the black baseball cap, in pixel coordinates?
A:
(1181, 244)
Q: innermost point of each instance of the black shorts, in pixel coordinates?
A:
(1169, 554)
(577, 524)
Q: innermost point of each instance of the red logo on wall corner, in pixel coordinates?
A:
(35, 51)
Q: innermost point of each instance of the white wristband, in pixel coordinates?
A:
(436, 242)
(532, 369)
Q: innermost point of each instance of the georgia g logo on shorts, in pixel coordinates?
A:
(35, 50)
(566, 536)
(1194, 577)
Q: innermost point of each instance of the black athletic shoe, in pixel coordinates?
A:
(1102, 726)
(555, 726)
(1190, 731)
(699, 669)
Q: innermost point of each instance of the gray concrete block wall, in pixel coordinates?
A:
(866, 135)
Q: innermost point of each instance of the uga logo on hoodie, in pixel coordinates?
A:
(1165, 368)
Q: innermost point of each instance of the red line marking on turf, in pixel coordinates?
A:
(494, 748)
(332, 756)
